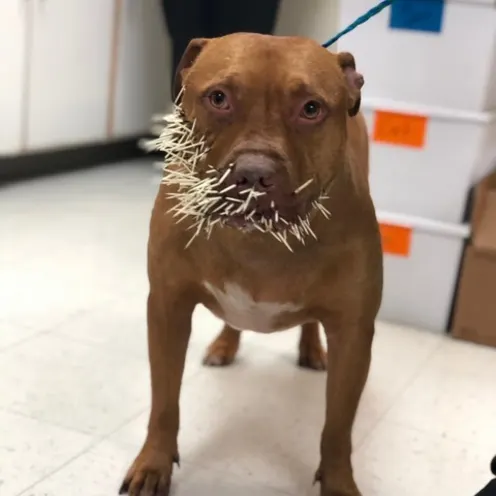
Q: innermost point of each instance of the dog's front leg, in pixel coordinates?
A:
(349, 349)
(169, 329)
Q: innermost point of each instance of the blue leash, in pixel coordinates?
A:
(361, 20)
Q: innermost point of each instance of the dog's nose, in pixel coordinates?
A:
(253, 170)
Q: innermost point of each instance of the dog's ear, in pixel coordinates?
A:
(191, 53)
(354, 80)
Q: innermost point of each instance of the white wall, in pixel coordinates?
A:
(317, 19)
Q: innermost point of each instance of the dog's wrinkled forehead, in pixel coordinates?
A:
(254, 66)
(259, 63)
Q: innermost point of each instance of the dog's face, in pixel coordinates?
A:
(274, 111)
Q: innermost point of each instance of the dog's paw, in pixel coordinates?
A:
(219, 356)
(345, 487)
(338, 493)
(313, 356)
(223, 350)
(150, 475)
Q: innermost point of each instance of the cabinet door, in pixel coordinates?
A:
(69, 72)
(15, 16)
(142, 85)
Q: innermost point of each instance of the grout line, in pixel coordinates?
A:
(96, 441)
(415, 374)
(19, 413)
(440, 435)
(60, 467)
(51, 329)
(126, 422)
(20, 342)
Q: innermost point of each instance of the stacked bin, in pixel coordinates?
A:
(429, 100)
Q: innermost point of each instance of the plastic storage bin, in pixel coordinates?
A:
(453, 68)
(424, 160)
(421, 264)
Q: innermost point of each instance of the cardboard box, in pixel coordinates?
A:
(475, 313)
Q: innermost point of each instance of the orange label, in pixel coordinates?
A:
(400, 129)
(396, 240)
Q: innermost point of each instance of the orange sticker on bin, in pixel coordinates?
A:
(396, 240)
(400, 129)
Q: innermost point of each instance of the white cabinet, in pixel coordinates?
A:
(69, 72)
(75, 72)
(15, 17)
(142, 82)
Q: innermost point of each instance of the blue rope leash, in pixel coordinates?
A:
(361, 20)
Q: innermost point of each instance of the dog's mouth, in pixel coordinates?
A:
(200, 193)
(263, 221)
(203, 198)
(260, 221)
(251, 209)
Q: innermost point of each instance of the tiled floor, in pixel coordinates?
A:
(74, 391)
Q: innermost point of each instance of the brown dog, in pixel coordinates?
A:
(282, 119)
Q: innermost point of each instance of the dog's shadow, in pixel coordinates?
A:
(270, 436)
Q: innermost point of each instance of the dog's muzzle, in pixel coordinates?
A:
(260, 185)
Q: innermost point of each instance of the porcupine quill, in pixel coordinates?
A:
(199, 197)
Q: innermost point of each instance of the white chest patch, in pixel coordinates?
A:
(242, 312)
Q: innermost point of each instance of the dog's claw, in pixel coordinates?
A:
(124, 487)
(312, 354)
(223, 350)
(217, 360)
(314, 360)
(318, 477)
(349, 489)
(152, 484)
(150, 474)
(308, 363)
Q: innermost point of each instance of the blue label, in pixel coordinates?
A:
(417, 15)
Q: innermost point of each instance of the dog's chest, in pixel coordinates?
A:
(241, 311)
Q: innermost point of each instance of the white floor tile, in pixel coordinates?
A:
(240, 420)
(42, 295)
(261, 418)
(397, 356)
(454, 395)
(202, 482)
(399, 460)
(72, 384)
(11, 334)
(99, 472)
(31, 450)
(77, 238)
(119, 324)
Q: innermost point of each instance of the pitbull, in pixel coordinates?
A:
(282, 120)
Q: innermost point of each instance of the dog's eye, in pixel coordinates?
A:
(311, 110)
(218, 99)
